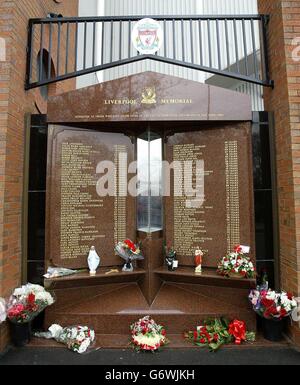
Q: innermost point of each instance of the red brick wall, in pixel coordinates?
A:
(284, 100)
(14, 104)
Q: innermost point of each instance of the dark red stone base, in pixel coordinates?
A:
(111, 308)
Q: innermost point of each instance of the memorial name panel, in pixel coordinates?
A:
(80, 216)
(223, 217)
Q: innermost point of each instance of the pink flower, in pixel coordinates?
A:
(254, 301)
(16, 311)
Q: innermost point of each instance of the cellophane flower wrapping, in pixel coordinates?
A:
(237, 263)
(27, 302)
(147, 335)
(2, 310)
(57, 272)
(78, 339)
(270, 304)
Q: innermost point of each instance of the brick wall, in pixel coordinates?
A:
(14, 104)
(284, 100)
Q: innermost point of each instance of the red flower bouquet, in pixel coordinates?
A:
(27, 302)
(129, 252)
(218, 332)
(272, 305)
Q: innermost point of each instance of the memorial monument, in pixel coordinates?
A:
(195, 125)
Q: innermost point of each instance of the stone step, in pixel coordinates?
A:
(176, 341)
(110, 309)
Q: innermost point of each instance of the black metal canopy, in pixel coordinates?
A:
(62, 48)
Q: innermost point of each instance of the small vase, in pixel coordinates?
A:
(128, 267)
(20, 333)
(273, 330)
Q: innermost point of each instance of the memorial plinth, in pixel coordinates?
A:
(197, 123)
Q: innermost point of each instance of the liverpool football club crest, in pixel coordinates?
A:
(149, 96)
(147, 36)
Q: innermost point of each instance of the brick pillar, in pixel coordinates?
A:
(14, 104)
(284, 100)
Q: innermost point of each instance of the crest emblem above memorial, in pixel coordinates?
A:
(147, 36)
(149, 95)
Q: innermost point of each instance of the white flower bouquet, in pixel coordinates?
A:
(147, 335)
(237, 265)
(27, 302)
(77, 338)
(57, 272)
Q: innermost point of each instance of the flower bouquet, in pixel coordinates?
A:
(129, 252)
(25, 304)
(57, 272)
(2, 310)
(273, 307)
(237, 265)
(147, 335)
(77, 338)
(218, 332)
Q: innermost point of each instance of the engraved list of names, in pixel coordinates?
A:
(224, 219)
(189, 222)
(78, 224)
(81, 217)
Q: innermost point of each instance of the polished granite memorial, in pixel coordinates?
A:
(195, 122)
(220, 219)
(79, 216)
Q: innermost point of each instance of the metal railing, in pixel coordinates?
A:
(63, 48)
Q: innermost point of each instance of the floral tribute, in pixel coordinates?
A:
(77, 338)
(147, 335)
(237, 264)
(128, 247)
(27, 302)
(129, 252)
(218, 332)
(270, 304)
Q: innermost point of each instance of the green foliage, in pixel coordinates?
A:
(214, 334)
